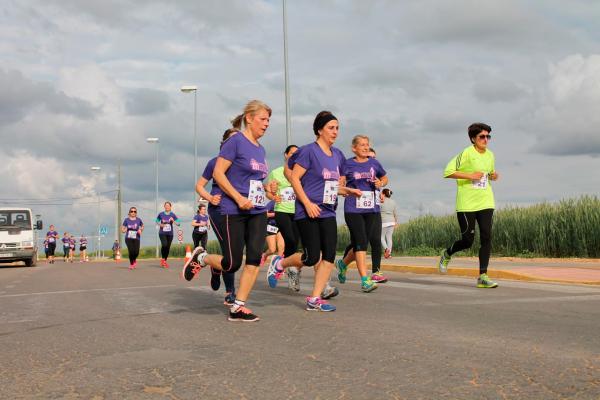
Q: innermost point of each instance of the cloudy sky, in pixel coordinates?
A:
(85, 82)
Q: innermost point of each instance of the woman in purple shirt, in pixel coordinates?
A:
(165, 221)
(315, 178)
(132, 228)
(239, 172)
(51, 237)
(83, 242)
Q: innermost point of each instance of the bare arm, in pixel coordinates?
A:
(312, 209)
(221, 168)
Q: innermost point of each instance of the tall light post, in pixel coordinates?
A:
(155, 141)
(190, 89)
(288, 126)
(97, 169)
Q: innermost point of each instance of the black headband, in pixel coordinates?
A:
(321, 121)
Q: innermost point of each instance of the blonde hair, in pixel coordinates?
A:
(251, 109)
(356, 138)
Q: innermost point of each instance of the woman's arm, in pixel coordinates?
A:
(221, 168)
(298, 172)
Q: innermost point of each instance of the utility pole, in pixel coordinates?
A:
(288, 125)
(119, 202)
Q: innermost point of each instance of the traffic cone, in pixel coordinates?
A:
(118, 256)
(188, 253)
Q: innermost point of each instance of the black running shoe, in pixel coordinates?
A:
(193, 265)
(243, 314)
(215, 279)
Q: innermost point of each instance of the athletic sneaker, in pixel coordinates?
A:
(318, 305)
(378, 277)
(273, 275)
(329, 292)
(342, 270)
(194, 264)
(162, 262)
(293, 274)
(444, 261)
(243, 314)
(485, 282)
(229, 299)
(166, 264)
(215, 279)
(368, 286)
(133, 266)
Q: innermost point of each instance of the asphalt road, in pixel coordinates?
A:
(99, 331)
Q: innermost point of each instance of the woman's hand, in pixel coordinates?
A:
(215, 200)
(244, 203)
(312, 210)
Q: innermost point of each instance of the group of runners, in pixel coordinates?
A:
(69, 244)
(295, 203)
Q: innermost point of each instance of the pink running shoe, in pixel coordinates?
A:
(378, 277)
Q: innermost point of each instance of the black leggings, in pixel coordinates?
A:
(365, 229)
(319, 239)
(51, 249)
(216, 221)
(466, 220)
(165, 243)
(200, 238)
(133, 248)
(239, 231)
(289, 231)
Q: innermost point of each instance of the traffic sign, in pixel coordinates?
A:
(103, 230)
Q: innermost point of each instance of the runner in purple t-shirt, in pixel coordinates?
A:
(165, 221)
(51, 237)
(362, 214)
(132, 228)
(216, 223)
(83, 242)
(315, 178)
(66, 242)
(239, 172)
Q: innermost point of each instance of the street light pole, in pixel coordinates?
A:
(288, 125)
(155, 141)
(97, 169)
(189, 89)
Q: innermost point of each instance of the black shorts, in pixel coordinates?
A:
(239, 231)
(82, 248)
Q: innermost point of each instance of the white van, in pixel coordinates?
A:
(18, 239)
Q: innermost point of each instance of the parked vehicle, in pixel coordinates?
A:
(18, 236)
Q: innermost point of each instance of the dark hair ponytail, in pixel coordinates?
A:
(387, 192)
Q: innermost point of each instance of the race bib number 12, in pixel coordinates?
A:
(256, 193)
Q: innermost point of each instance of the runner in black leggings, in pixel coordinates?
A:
(201, 224)
(132, 228)
(165, 220)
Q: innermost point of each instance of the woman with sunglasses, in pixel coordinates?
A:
(132, 228)
(473, 170)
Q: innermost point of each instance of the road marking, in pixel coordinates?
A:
(85, 291)
(590, 297)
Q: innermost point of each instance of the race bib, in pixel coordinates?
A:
(166, 228)
(202, 229)
(287, 195)
(256, 193)
(131, 234)
(272, 229)
(378, 197)
(365, 201)
(330, 192)
(481, 183)
(51, 240)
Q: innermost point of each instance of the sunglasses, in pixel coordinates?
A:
(488, 137)
(133, 211)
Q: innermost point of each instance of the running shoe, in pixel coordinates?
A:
(229, 299)
(243, 314)
(329, 292)
(166, 264)
(485, 282)
(194, 264)
(444, 261)
(293, 274)
(368, 286)
(318, 305)
(215, 279)
(342, 270)
(378, 277)
(133, 266)
(273, 274)
(263, 258)
(162, 262)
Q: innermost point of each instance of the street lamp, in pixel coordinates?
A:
(155, 141)
(97, 169)
(190, 89)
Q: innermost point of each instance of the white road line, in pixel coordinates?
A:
(85, 291)
(590, 297)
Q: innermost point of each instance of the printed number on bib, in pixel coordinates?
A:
(166, 228)
(51, 240)
(481, 183)
(365, 201)
(202, 229)
(272, 229)
(257, 194)
(287, 195)
(378, 197)
(330, 192)
(131, 234)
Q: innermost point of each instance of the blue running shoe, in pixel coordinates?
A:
(273, 275)
(318, 305)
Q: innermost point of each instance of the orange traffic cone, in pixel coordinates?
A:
(188, 253)
(118, 256)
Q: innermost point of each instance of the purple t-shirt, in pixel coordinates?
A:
(83, 241)
(164, 218)
(246, 173)
(132, 226)
(321, 177)
(52, 235)
(361, 176)
(66, 242)
(207, 174)
(201, 218)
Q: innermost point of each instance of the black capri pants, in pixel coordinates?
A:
(51, 248)
(133, 249)
(239, 231)
(200, 238)
(216, 222)
(365, 229)
(319, 239)
(466, 220)
(289, 231)
(165, 245)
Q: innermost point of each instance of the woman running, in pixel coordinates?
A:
(165, 220)
(315, 178)
(72, 243)
(216, 222)
(46, 251)
(239, 172)
(201, 224)
(132, 228)
(66, 241)
(473, 170)
(83, 248)
(52, 237)
(362, 214)
(389, 220)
